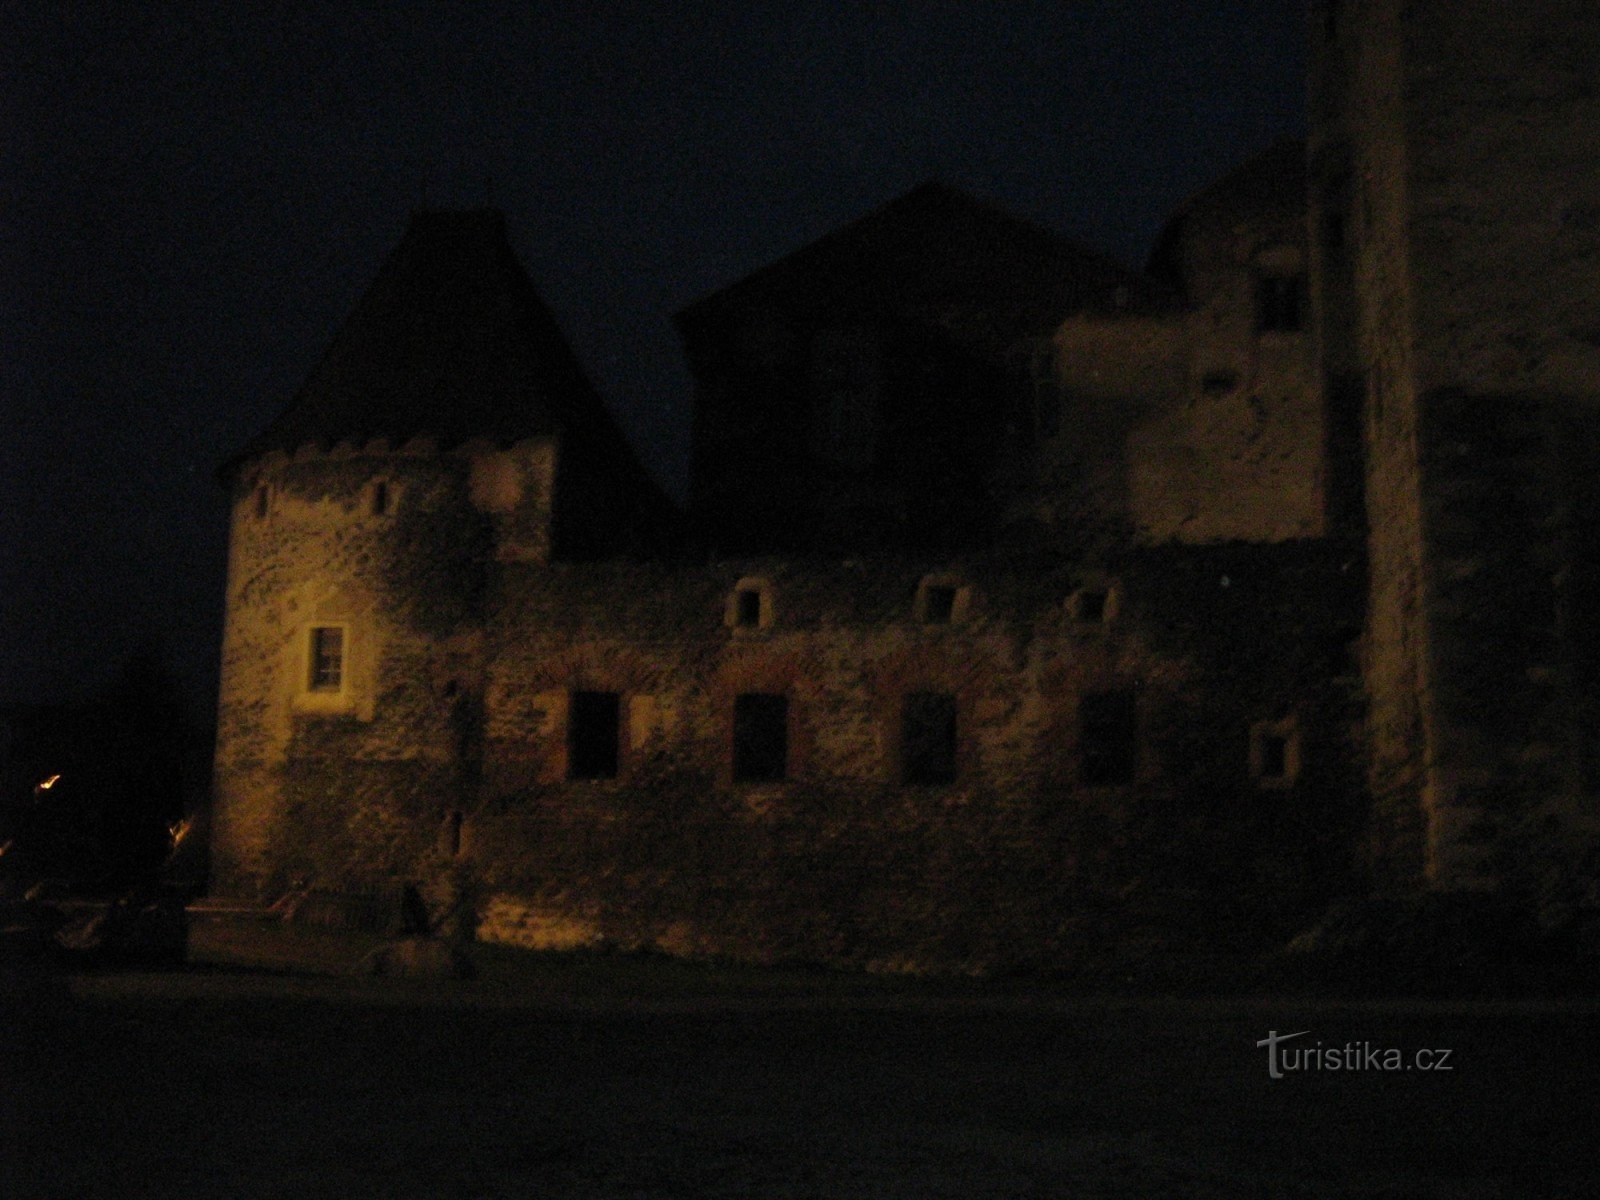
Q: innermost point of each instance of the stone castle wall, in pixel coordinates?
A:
(1468, 134)
(1019, 858)
(1196, 424)
(393, 550)
(445, 759)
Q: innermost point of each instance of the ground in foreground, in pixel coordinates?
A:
(234, 1084)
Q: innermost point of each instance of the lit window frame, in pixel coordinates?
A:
(316, 678)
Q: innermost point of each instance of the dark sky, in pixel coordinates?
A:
(191, 197)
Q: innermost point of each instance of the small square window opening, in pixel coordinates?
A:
(939, 604)
(1280, 303)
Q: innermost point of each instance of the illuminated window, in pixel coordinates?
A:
(1108, 737)
(760, 738)
(928, 739)
(327, 659)
(592, 725)
(1280, 303)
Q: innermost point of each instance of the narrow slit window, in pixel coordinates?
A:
(327, 659)
(592, 728)
(928, 739)
(760, 738)
(380, 499)
(1108, 737)
(263, 502)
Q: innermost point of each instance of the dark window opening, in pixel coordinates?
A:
(1219, 383)
(592, 726)
(1108, 737)
(1333, 229)
(327, 658)
(1280, 301)
(760, 738)
(1046, 396)
(380, 499)
(928, 739)
(1092, 605)
(939, 604)
(1274, 756)
(748, 613)
(1347, 392)
(261, 503)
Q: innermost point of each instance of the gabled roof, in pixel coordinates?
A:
(940, 255)
(451, 342)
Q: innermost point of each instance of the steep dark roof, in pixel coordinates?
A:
(937, 253)
(451, 342)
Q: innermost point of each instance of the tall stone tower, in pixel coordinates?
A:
(448, 430)
(1455, 212)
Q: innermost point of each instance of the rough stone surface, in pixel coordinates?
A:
(1470, 139)
(1309, 503)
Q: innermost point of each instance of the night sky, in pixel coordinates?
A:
(192, 197)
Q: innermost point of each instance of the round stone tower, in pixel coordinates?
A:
(369, 524)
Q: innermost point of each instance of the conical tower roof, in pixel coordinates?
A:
(451, 342)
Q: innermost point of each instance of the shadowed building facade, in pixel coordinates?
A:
(1023, 602)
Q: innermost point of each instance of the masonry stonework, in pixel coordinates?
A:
(1025, 605)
